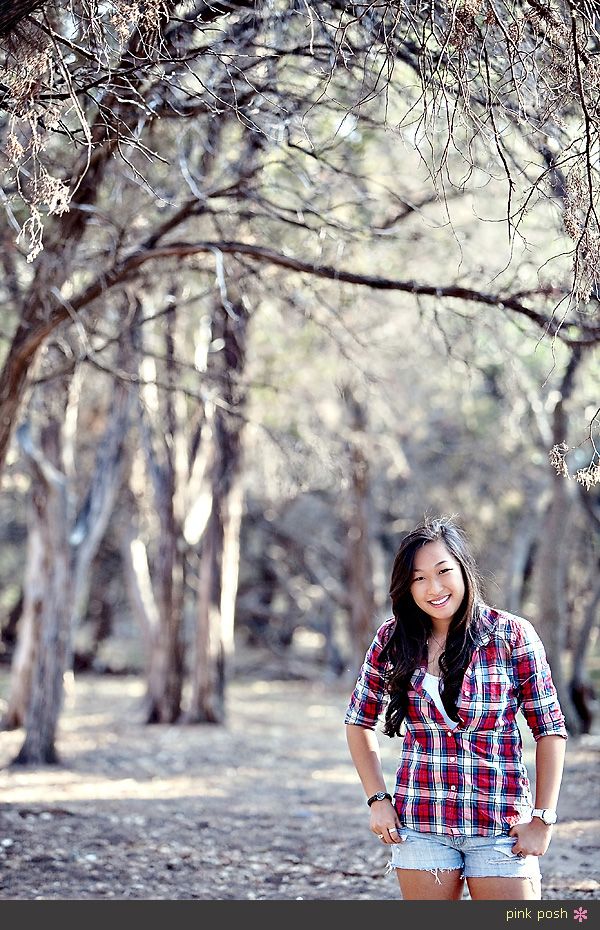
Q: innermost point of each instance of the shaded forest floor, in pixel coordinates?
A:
(266, 807)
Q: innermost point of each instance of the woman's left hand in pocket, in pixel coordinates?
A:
(531, 839)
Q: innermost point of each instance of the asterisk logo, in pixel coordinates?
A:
(580, 914)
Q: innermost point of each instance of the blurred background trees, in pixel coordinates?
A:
(279, 278)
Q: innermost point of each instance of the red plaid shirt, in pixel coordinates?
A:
(472, 780)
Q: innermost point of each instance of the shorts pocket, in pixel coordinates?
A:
(504, 845)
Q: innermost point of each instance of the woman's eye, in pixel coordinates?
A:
(444, 570)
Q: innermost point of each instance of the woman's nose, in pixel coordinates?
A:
(435, 586)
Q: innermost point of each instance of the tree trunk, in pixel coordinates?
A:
(9, 630)
(165, 682)
(166, 468)
(219, 556)
(359, 563)
(48, 602)
(207, 704)
(522, 555)
(22, 660)
(550, 568)
(581, 688)
(138, 583)
(107, 479)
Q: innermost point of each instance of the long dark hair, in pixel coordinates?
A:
(407, 646)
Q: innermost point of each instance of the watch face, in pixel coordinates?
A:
(549, 817)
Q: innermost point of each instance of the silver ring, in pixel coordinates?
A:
(521, 855)
(393, 829)
(380, 835)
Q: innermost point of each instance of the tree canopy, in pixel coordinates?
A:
(340, 258)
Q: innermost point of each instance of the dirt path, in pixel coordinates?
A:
(268, 807)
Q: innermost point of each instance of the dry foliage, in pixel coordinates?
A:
(515, 80)
(500, 89)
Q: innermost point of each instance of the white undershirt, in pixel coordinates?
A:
(431, 684)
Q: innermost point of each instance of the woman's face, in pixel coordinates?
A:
(437, 584)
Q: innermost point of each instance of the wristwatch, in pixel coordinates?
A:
(379, 796)
(544, 813)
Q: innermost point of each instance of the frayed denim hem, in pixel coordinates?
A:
(390, 867)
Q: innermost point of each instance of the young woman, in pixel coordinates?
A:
(451, 674)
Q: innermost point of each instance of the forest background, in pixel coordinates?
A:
(278, 279)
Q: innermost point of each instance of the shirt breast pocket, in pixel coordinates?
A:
(485, 699)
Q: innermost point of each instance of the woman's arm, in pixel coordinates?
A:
(549, 762)
(534, 838)
(364, 749)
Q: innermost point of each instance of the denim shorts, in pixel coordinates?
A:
(475, 856)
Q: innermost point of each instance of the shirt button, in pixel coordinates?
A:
(452, 787)
(449, 732)
(452, 758)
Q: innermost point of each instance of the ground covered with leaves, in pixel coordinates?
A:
(266, 807)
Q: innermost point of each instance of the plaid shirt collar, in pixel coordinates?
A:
(485, 627)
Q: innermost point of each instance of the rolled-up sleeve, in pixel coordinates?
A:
(538, 697)
(370, 696)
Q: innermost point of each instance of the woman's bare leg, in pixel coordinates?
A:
(433, 885)
(501, 889)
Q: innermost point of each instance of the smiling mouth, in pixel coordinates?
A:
(441, 601)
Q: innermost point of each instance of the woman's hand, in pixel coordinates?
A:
(384, 821)
(532, 839)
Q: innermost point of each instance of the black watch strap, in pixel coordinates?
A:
(379, 796)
